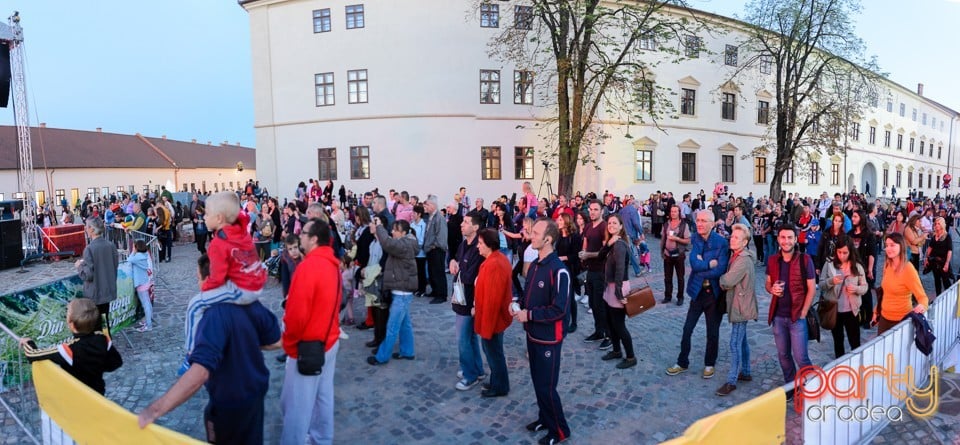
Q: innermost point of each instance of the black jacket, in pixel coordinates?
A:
(84, 356)
(547, 300)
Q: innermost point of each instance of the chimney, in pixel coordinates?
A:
(99, 130)
(164, 137)
(920, 89)
(43, 125)
(193, 140)
(209, 143)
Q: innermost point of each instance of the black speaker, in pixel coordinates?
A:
(11, 233)
(10, 256)
(4, 74)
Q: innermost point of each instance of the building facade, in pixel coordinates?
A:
(352, 92)
(73, 164)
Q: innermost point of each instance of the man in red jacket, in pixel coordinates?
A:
(311, 314)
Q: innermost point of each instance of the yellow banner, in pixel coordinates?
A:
(757, 421)
(88, 417)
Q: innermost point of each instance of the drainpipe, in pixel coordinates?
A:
(176, 168)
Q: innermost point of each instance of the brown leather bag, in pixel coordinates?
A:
(639, 300)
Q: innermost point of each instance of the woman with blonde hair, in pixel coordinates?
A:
(914, 237)
(614, 252)
(939, 254)
(900, 284)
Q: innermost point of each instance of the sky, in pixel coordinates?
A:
(181, 68)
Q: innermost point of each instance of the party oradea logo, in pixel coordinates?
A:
(849, 387)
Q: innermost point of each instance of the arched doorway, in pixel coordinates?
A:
(868, 179)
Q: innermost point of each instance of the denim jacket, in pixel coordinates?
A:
(715, 247)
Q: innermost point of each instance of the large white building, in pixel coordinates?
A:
(403, 95)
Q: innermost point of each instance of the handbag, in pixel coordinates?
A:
(458, 297)
(640, 300)
(312, 354)
(827, 311)
(813, 326)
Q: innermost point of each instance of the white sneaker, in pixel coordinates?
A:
(344, 335)
(590, 311)
(464, 385)
(480, 377)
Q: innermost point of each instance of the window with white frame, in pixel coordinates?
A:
(729, 106)
(766, 64)
(327, 164)
(760, 170)
(834, 174)
(648, 41)
(360, 162)
(788, 174)
(691, 46)
(489, 163)
(688, 167)
(903, 109)
(873, 135)
(855, 131)
(886, 138)
(814, 172)
(523, 17)
(763, 112)
(886, 177)
(899, 177)
(899, 141)
(523, 162)
(726, 168)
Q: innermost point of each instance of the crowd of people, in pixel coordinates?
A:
(527, 259)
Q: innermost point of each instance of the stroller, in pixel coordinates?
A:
(272, 264)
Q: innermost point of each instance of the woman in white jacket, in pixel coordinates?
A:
(843, 282)
(142, 267)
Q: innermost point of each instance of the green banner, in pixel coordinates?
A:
(40, 313)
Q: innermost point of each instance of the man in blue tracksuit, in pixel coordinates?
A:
(545, 305)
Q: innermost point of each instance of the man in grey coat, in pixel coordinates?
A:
(98, 270)
(434, 244)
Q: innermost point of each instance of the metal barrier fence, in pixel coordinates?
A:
(17, 398)
(875, 380)
(124, 240)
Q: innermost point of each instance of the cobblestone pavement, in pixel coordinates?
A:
(416, 402)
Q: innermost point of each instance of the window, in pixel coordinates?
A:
(523, 162)
(61, 194)
(327, 164)
(873, 135)
(489, 15)
(763, 112)
(909, 179)
(814, 173)
(912, 140)
(760, 170)
(899, 177)
(933, 122)
(324, 82)
(523, 87)
(921, 147)
(914, 115)
(184, 187)
(490, 163)
(920, 180)
(648, 41)
(939, 151)
(321, 20)
(886, 177)
(938, 181)
(726, 168)
(523, 17)
(855, 131)
(766, 64)
(104, 192)
(729, 106)
(886, 138)
(688, 167)
(203, 185)
(899, 142)
(74, 196)
(688, 102)
(357, 86)
(924, 121)
(788, 174)
(834, 174)
(691, 46)
(489, 86)
(354, 16)
(119, 190)
(131, 189)
(360, 162)
(889, 105)
(903, 109)
(873, 99)
(20, 195)
(193, 187)
(730, 55)
(929, 180)
(644, 165)
(645, 94)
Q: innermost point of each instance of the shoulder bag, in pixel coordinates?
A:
(640, 300)
(311, 354)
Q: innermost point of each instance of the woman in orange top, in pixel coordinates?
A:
(900, 282)
(491, 305)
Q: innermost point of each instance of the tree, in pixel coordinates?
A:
(822, 81)
(590, 58)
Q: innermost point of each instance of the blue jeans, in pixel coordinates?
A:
(632, 253)
(739, 352)
(770, 246)
(791, 340)
(398, 325)
(493, 349)
(471, 364)
(705, 304)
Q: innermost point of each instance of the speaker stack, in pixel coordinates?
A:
(11, 243)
